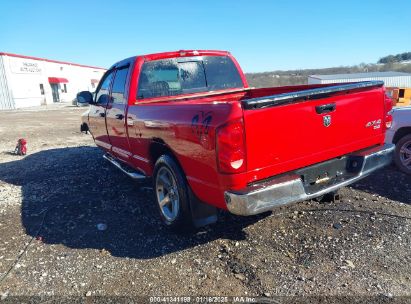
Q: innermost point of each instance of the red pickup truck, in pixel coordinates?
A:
(189, 121)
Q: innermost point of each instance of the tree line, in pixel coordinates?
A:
(395, 58)
(296, 77)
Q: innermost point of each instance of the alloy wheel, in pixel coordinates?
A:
(405, 154)
(167, 194)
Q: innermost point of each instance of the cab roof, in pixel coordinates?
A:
(184, 53)
(174, 54)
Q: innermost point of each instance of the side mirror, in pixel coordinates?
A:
(85, 97)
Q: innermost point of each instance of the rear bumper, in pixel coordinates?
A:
(290, 188)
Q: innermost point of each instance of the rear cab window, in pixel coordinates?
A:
(177, 76)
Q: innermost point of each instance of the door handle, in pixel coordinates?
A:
(120, 116)
(102, 114)
(325, 108)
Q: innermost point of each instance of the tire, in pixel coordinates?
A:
(402, 155)
(171, 194)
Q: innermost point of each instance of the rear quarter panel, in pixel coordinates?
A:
(188, 129)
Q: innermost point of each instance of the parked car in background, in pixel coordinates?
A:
(400, 135)
(189, 121)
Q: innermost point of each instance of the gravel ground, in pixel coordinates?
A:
(72, 225)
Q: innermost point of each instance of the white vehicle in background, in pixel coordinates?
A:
(400, 135)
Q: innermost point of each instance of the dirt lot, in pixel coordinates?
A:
(53, 200)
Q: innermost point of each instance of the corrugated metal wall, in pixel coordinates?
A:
(6, 98)
(393, 81)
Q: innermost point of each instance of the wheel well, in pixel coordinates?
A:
(202, 213)
(158, 148)
(401, 133)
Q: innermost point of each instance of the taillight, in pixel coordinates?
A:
(388, 120)
(231, 156)
(388, 103)
(388, 107)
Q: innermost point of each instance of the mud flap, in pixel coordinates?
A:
(202, 214)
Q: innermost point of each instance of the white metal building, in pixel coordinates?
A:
(29, 81)
(391, 79)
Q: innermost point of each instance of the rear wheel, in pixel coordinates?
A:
(402, 156)
(171, 194)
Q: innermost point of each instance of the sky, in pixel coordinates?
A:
(262, 35)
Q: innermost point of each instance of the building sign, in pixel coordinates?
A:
(25, 66)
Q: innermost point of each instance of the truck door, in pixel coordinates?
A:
(116, 114)
(97, 112)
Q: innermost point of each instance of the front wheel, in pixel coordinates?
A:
(402, 156)
(171, 194)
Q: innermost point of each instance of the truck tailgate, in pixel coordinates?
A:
(288, 131)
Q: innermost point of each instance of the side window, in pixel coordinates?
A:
(102, 93)
(119, 86)
(402, 93)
